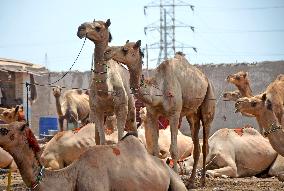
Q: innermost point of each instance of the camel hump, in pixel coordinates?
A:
(132, 133)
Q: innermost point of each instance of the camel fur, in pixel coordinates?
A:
(100, 168)
(109, 89)
(177, 89)
(184, 143)
(233, 152)
(73, 107)
(67, 146)
(13, 114)
(241, 81)
(263, 109)
(232, 95)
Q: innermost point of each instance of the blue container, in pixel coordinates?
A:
(46, 123)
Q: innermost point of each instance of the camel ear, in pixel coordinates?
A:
(263, 97)
(94, 20)
(137, 44)
(17, 109)
(107, 23)
(245, 74)
(127, 42)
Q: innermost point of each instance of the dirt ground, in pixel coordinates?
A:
(216, 184)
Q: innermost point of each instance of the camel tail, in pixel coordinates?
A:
(176, 183)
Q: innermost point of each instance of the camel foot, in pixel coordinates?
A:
(202, 183)
(191, 185)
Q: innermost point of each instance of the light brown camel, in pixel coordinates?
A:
(67, 146)
(109, 89)
(100, 168)
(233, 152)
(241, 81)
(73, 107)
(263, 109)
(184, 143)
(177, 89)
(13, 114)
(232, 95)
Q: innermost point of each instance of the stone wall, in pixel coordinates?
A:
(260, 74)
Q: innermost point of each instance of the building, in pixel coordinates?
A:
(13, 77)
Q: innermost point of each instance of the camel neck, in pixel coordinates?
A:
(276, 138)
(58, 106)
(100, 74)
(28, 164)
(138, 85)
(245, 90)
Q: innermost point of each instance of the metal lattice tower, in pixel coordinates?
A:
(166, 27)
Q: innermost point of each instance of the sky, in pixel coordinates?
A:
(226, 31)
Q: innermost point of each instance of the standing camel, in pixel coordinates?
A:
(177, 89)
(123, 167)
(109, 89)
(241, 81)
(74, 106)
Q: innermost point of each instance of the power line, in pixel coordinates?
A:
(240, 8)
(243, 31)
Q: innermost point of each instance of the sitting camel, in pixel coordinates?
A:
(177, 89)
(74, 106)
(184, 143)
(109, 89)
(233, 152)
(67, 146)
(14, 114)
(100, 168)
(263, 110)
(232, 95)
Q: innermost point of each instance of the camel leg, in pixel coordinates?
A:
(60, 120)
(99, 121)
(227, 171)
(152, 134)
(9, 178)
(194, 127)
(174, 122)
(131, 119)
(121, 116)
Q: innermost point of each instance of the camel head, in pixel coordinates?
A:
(13, 114)
(232, 96)
(130, 54)
(57, 91)
(96, 31)
(238, 79)
(15, 134)
(253, 105)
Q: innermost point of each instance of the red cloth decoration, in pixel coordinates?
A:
(32, 140)
(163, 122)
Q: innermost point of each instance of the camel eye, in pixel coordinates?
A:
(97, 29)
(238, 78)
(125, 50)
(253, 104)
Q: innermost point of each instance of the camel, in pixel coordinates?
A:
(109, 89)
(177, 89)
(232, 153)
(263, 109)
(67, 146)
(103, 167)
(241, 81)
(232, 95)
(14, 114)
(184, 143)
(74, 106)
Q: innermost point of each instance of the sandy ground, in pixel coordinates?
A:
(216, 184)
